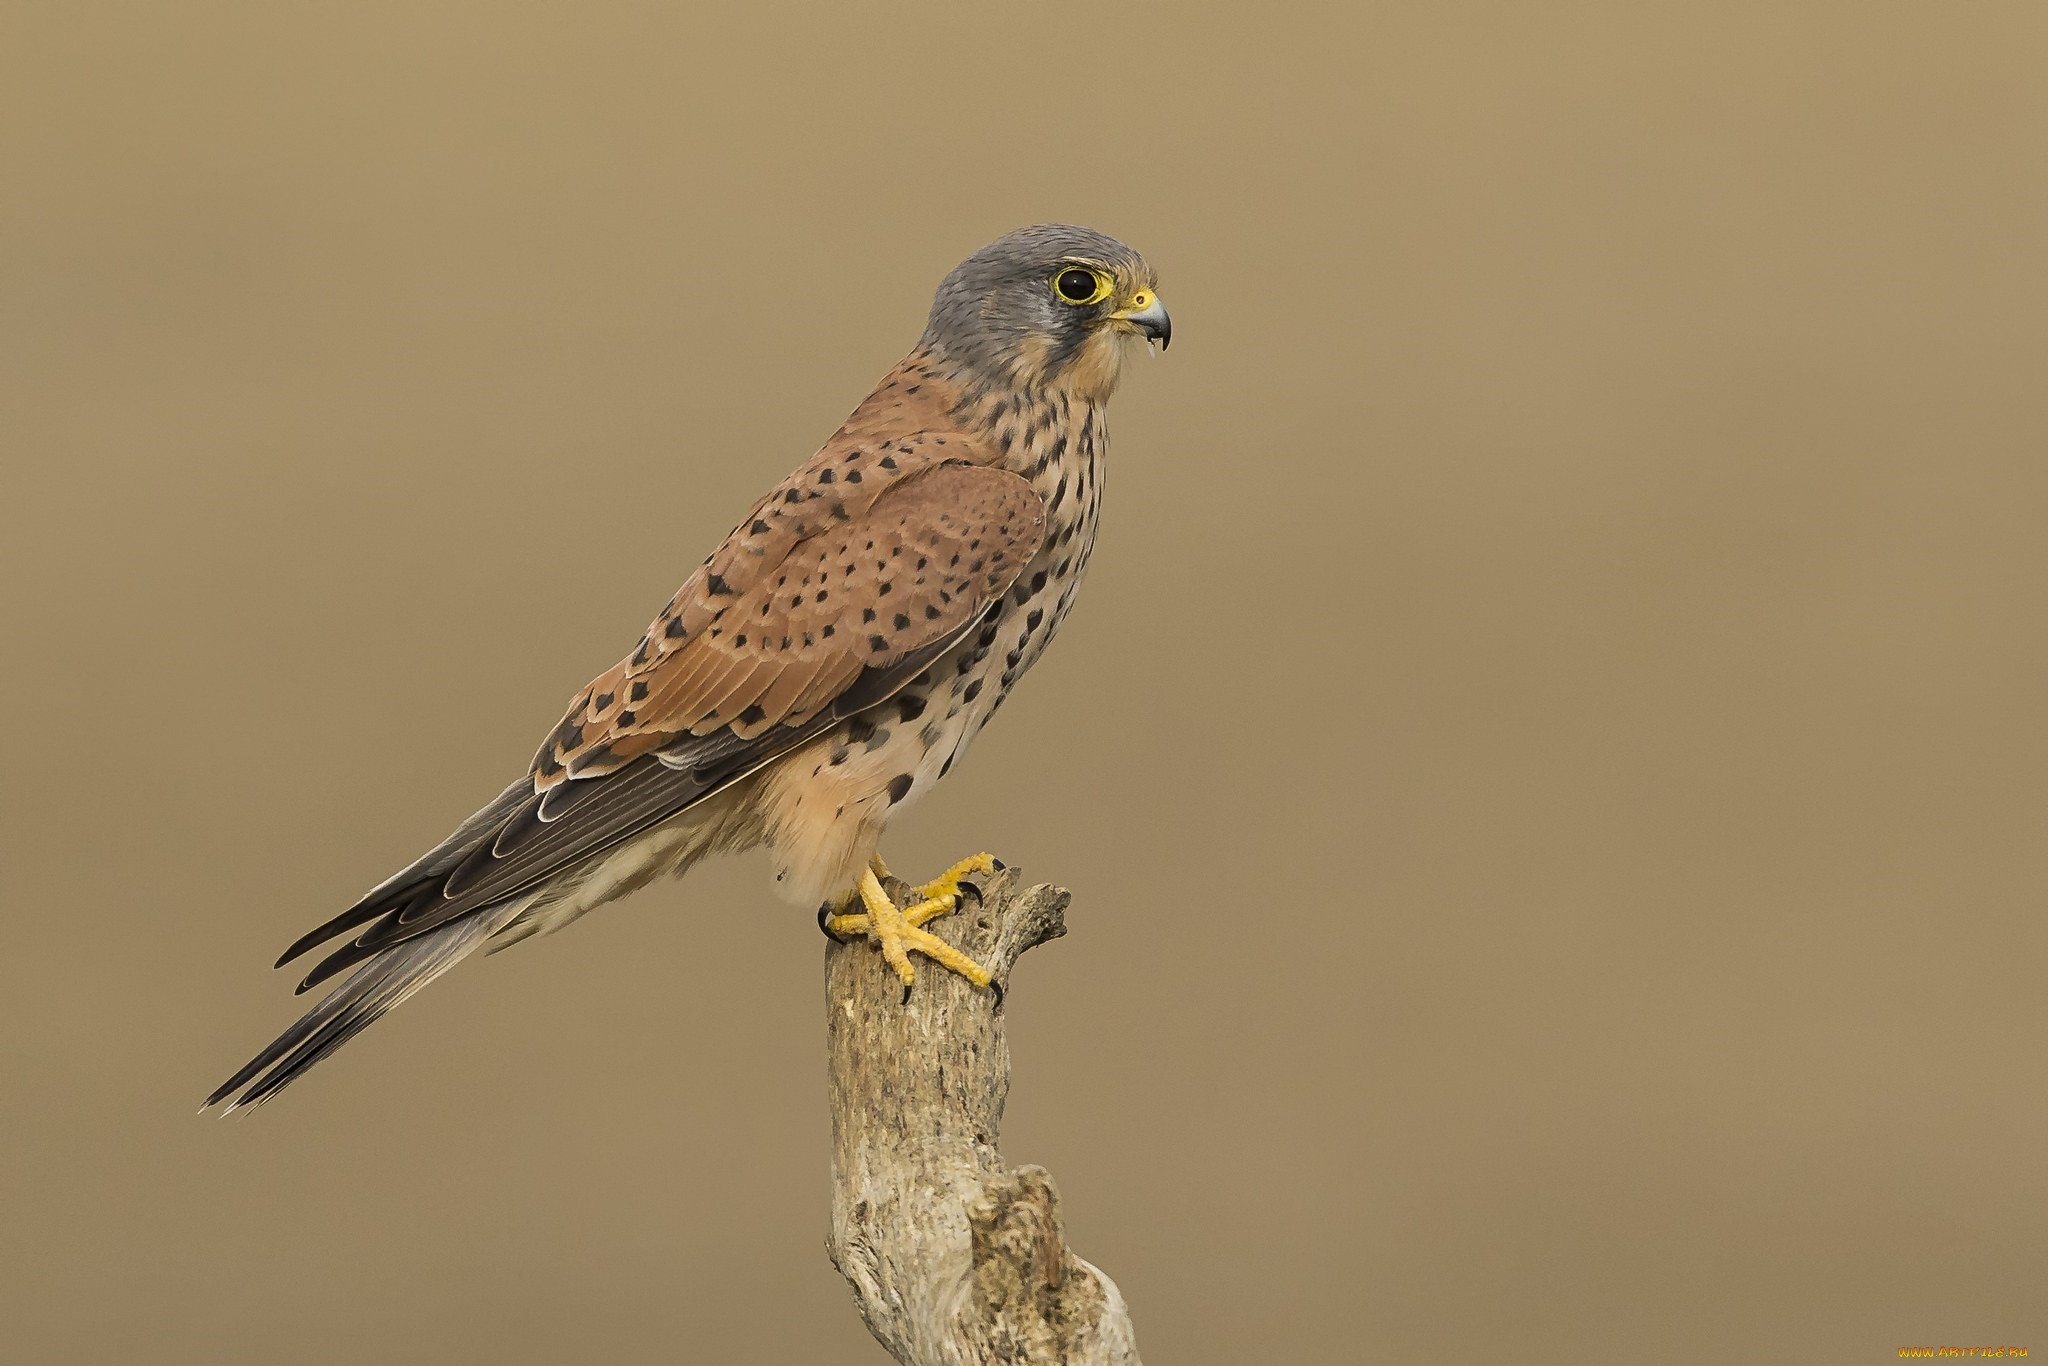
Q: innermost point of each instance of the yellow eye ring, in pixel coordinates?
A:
(1081, 286)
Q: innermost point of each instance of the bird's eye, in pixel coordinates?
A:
(1076, 285)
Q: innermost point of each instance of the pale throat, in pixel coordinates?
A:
(1093, 372)
(1088, 375)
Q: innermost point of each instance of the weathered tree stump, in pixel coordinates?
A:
(954, 1258)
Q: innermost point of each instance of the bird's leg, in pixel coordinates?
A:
(896, 930)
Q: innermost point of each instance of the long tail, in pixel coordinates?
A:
(360, 1000)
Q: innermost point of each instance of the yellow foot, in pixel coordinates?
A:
(898, 930)
(952, 883)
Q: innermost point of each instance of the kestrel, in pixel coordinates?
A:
(821, 670)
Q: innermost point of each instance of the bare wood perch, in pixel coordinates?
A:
(954, 1258)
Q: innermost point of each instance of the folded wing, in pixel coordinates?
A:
(818, 606)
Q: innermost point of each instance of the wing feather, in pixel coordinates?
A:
(849, 575)
(946, 544)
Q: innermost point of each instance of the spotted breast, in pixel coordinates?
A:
(826, 806)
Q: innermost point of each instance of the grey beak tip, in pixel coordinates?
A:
(1155, 323)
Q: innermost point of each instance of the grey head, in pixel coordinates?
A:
(1050, 305)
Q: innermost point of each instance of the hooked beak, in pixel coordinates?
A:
(1148, 315)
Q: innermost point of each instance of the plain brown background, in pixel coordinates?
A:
(1550, 761)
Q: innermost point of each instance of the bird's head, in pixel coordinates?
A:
(1048, 307)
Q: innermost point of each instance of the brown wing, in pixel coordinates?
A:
(779, 622)
(817, 606)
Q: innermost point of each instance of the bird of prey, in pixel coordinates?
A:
(823, 667)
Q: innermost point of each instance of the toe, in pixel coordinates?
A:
(946, 956)
(843, 929)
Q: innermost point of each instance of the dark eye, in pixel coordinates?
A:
(1079, 286)
(1076, 285)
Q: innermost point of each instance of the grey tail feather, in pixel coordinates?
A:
(360, 1001)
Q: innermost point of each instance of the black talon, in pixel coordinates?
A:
(1000, 866)
(995, 985)
(960, 894)
(825, 912)
(906, 993)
